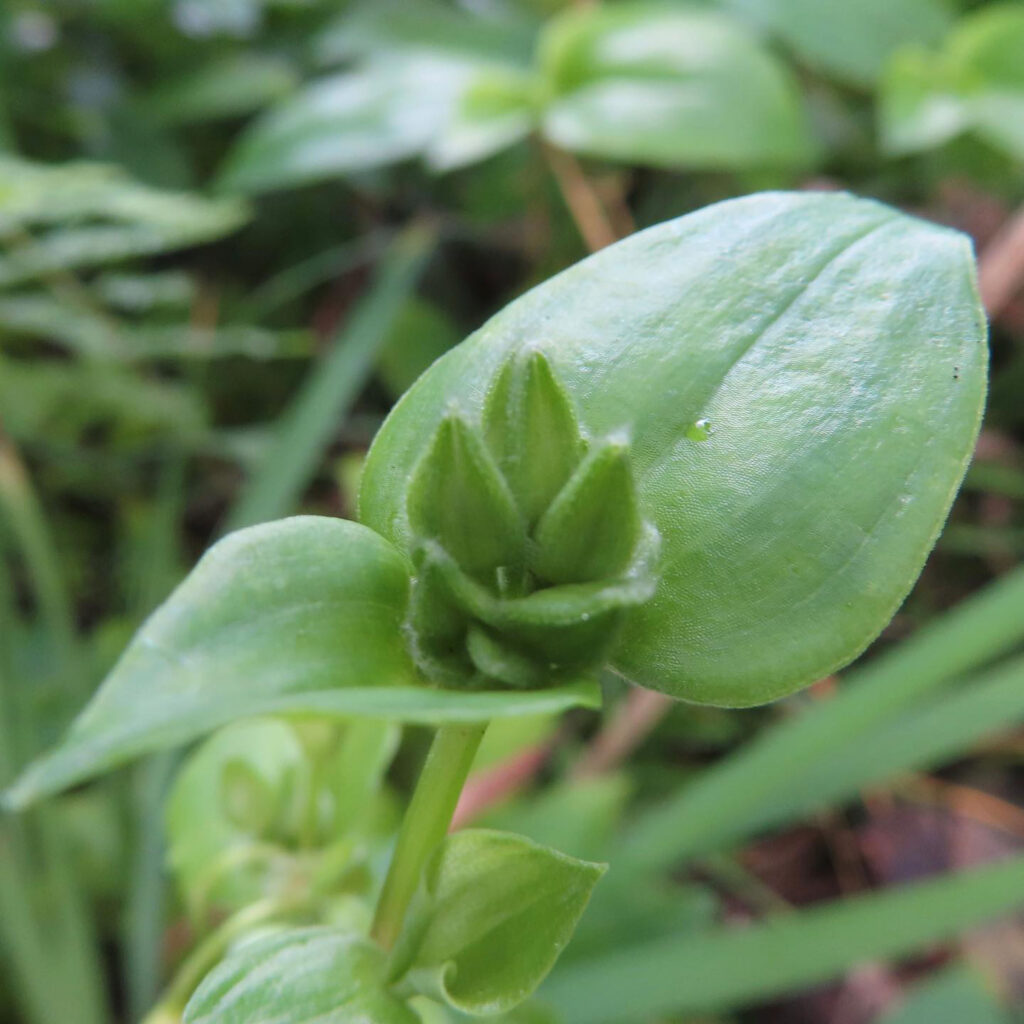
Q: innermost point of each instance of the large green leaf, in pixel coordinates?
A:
(849, 40)
(299, 976)
(302, 604)
(493, 913)
(300, 616)
(975, 82)
(837, 348)
(669, 86)
(762, 781)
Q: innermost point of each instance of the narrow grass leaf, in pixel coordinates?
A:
(724, 968)
(718, 807)
(330, 388)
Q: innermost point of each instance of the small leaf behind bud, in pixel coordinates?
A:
(591, 529)
(532, 431)
(459, 498)
(491, 916)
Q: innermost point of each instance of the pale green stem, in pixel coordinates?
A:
(425, 823)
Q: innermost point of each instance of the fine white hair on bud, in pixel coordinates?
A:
(529, 542)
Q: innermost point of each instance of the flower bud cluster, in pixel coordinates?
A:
(528, 540)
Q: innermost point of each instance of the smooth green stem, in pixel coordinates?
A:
(426, 821)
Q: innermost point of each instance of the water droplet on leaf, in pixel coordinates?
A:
(699, 430)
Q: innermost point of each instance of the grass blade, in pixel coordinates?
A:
(45, 923)
(728, 967)
(308, 425)
(716, 809)
(926, 738)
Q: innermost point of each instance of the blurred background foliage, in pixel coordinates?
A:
(233, 232)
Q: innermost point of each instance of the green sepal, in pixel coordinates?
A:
(554, 606)
(591, 529)
(497, 660)
(315, 975)
(531, 429)
(459, 498)
(493, 913)
(566, 629)
(490, 603)
(435, 625)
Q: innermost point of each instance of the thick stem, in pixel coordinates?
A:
(425, 823)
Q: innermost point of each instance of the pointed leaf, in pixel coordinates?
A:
(458, 498)
(415, 704)
(316, 975)
(837, 348)
(493, 914)
(592, 528)
(301, 604)
(532, 431)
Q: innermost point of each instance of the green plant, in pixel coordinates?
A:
(648, 83)
(974, 83)
(713, 456)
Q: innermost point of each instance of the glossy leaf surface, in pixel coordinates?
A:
(493, 913)
(670, 87)
(837, 348)
(302, 604)
(299, 976)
